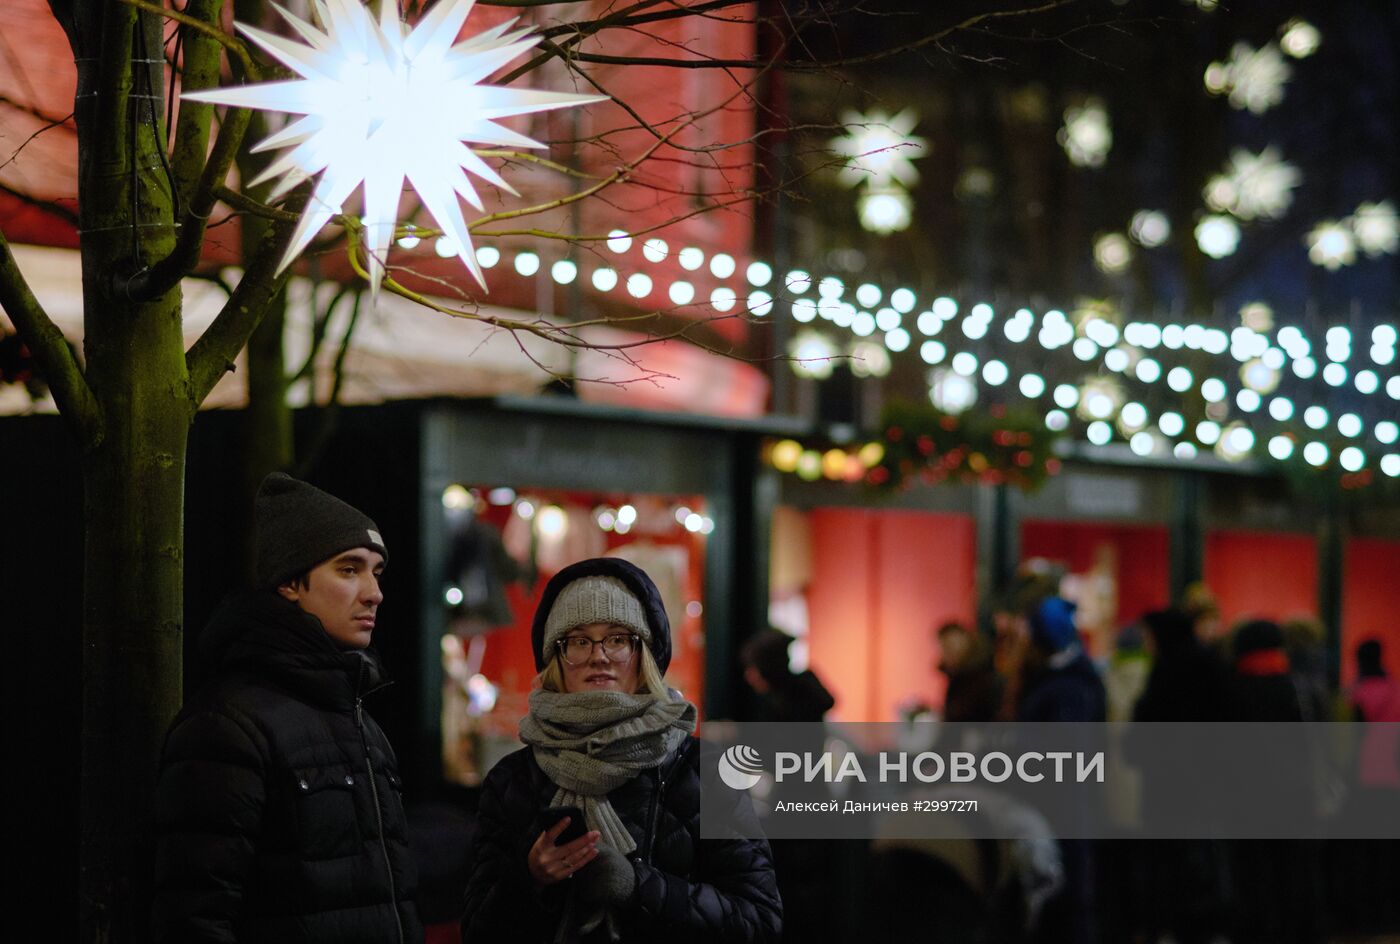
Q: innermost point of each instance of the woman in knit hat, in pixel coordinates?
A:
(606, 736)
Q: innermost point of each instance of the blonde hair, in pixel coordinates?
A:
(649, 680)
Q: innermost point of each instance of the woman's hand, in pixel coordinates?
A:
(549, 863)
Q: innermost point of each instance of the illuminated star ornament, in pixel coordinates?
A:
(1254, 185)
(879, 149)
(382, 103)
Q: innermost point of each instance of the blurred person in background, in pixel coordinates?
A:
(813, 874)
(1059, 681)
(783, 695)
(1198, 602)
(1011, 631)
(1375, 697)
(1060, 684)
(1187, 882)
(974, 689)
(1305, 641)
(1278, 882)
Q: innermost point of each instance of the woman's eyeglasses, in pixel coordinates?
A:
(577, 650)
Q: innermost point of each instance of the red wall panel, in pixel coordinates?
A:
(1371, 602)
(882, 582)
(1261, 574)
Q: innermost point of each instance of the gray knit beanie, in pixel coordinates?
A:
(594, 599)
(298, 526)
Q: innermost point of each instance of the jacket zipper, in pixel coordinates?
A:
(655, 820)
(378, 811)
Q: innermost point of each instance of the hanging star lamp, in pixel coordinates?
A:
(381, 104)
(879, 149)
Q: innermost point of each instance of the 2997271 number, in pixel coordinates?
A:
(944, 806)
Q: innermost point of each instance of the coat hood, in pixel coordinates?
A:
(633, 578)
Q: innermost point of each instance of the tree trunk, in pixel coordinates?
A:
(133, 465)
(132, 643)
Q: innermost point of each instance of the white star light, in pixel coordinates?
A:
(879, 149)
(1253, 78)
(1086, 135)
(1331, 245)
(1377, 228)
(1254, 185)
(382, 104)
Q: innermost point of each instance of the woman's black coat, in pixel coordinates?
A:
(688, 889)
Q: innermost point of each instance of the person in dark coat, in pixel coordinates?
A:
(974, 692)
(278, 812)
(604, 734)
(1278, 882)
(1187, 682)
(783, 695)
(1187, 880)
(1061, 684)
(814, 875)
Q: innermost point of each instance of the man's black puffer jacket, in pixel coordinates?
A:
(278, 809)
(688, 889)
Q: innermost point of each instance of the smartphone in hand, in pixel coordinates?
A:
(551, 815)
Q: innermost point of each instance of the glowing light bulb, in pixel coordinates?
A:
(1280, 447)
(564, 271)
(655, 250)
(604, 280)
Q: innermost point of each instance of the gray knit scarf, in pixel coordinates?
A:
(591, 743)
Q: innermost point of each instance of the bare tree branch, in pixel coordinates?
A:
(318, 334)
(210, 357)
(48, 206)
(57, 123)
(33, 112)
(247, 204)
(51, 351)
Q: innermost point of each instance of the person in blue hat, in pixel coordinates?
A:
(1061, 683)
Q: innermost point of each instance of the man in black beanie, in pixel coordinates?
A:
(278, 810)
